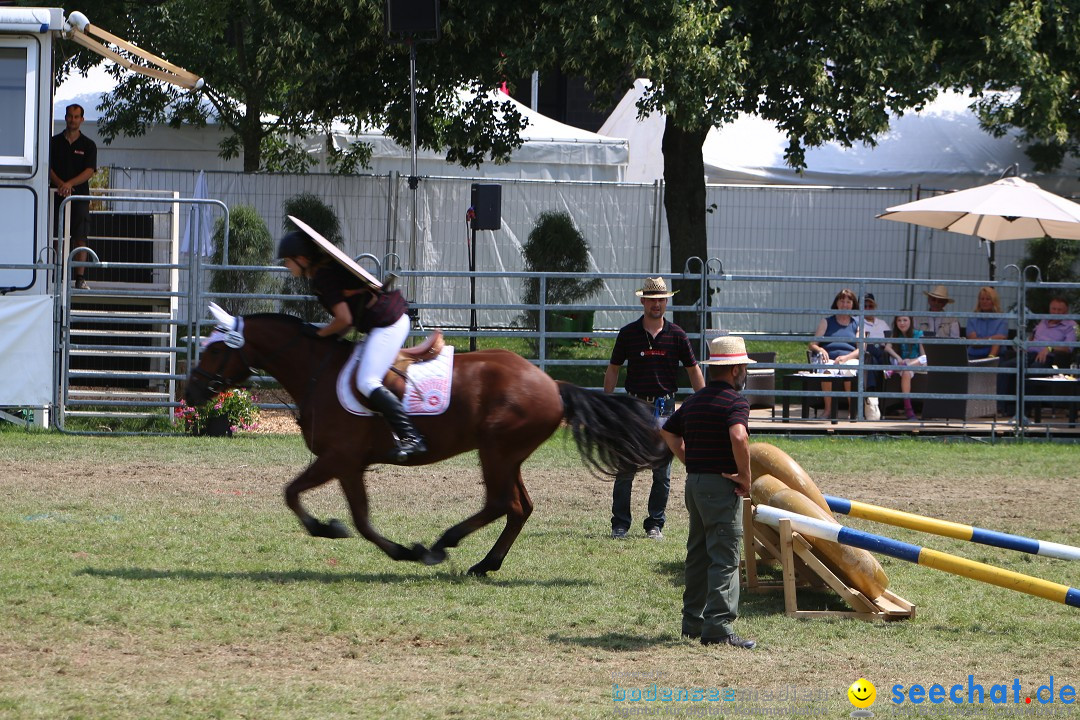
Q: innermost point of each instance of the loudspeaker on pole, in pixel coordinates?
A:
(418, 19)
(487, 206)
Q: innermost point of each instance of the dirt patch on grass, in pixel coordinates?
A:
(277, 422)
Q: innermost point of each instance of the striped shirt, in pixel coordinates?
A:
(652, 362)
(704, 422)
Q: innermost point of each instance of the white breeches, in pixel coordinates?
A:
(378, 352)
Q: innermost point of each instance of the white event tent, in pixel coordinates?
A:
(941, 147)
(551, 151)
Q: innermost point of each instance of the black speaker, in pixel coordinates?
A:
(412, 17)
(487, 204)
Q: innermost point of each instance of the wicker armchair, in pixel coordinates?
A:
(954, 383)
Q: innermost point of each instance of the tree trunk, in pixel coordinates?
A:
(684, 204)
(252, 141)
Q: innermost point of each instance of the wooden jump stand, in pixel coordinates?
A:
(802, 568)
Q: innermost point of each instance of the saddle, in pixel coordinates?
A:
(420, 378)
(424, 352)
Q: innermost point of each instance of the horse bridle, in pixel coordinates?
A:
(216, 382)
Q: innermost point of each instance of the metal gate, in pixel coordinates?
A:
(123, 343)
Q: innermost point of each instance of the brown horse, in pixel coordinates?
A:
(501, 404)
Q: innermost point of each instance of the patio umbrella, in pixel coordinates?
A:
(198, 231)
(1007, 209)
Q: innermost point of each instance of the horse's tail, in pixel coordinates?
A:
(614, 433)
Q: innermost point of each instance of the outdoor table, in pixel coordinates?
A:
(1064, 386)
(809, 380)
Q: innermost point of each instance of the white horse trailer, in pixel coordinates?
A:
(27, 367)
(29, 296)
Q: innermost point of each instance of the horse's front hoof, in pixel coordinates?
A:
(336, 529)
(477, 571)
(433, 556)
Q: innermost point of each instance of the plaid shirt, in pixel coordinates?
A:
(704, 423)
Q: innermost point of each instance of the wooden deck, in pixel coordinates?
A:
(1054, 424)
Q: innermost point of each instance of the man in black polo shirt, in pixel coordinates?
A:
(652, 349)
(72, 162)
(709, 434)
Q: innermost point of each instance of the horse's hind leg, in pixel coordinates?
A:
(506, 495)
(356, 494)
(315, 475)
(518, 511)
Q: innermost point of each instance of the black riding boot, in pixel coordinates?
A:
(409, 442)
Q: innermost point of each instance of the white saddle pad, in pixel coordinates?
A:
(427, 386)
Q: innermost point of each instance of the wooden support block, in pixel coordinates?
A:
(801, 567)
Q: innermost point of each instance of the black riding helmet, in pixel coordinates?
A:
(296, 243)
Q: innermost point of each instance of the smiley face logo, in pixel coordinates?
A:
(862, 693)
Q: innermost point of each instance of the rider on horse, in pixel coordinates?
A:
(354, 304)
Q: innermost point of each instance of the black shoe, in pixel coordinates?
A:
(691, 636)
(619, 533)
(409, 442)
(409, 447)
(733, 640)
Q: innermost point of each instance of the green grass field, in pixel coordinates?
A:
(164, 578)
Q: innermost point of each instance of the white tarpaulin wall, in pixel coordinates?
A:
(941, 147)
(616, 219)
(551, 151)
(26, 351)
(761, 230)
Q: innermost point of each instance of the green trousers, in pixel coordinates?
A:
(711, 598)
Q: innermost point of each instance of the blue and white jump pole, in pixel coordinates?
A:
(970, 533)
(920, 555)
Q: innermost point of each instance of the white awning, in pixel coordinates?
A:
(30, 20)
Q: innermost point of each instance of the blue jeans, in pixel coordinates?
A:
(658, 497)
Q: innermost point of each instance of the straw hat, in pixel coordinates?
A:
(727, 350)
(654, 288)
(940, 292)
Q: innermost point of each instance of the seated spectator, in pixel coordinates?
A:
(937, 323)
(904, 350)
(985, 328)
(839, 351)
(873, 327)
(1049, 352)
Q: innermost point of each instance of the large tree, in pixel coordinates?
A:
(1031, 71)
(821, 69)
(277, 70)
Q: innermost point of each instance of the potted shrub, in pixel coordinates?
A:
(322, 218)
(556, 245)
(230, 411)
(250, 243)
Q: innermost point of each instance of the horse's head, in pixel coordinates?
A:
(222, 363)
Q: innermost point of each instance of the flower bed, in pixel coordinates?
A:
(229, 412)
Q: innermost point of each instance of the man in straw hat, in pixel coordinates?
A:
(709, 435)
(937, 323)
(652, 349)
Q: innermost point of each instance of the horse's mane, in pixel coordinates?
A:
(280, 317)
(291, 320)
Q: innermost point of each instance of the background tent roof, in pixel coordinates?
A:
(551, 151)
(941, 147)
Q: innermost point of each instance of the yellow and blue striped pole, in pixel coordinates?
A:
(911, 521)
(921, 556)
